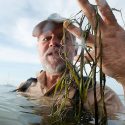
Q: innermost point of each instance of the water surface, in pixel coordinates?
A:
(18, 110)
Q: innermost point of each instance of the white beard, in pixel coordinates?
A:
(53, 63)
(55, 68)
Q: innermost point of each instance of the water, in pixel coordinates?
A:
(13, 109)
(18, 110)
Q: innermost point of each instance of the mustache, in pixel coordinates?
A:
(54, 50)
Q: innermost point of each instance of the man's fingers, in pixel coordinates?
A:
(106, 12)
(72, 29)
(79, 33)
(89, 12)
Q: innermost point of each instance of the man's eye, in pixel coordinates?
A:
(46, 39)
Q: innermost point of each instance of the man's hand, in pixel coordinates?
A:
(112, 35)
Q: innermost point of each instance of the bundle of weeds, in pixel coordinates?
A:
(61, 115)
(74, 74)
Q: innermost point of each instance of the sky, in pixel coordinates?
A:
(18, 52)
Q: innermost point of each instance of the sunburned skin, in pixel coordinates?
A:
(101, 2)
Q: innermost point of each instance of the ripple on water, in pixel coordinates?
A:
(18, 110)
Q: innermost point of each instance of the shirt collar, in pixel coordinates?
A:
(42, 79)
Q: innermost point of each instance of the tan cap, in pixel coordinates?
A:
(52, 18)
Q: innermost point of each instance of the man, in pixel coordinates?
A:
(49, 35)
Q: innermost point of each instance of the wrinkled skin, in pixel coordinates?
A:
(112, 35)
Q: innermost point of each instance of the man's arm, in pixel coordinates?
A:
(112, 101)
(112, 36)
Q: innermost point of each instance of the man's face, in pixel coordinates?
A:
(50, 48)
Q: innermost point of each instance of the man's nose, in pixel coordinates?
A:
(55, 42)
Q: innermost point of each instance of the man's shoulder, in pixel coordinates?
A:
(107, 91)
(26, 84)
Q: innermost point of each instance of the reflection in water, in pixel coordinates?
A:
(18, 110)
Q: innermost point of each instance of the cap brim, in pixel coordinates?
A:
(56, 18)
(38, 28)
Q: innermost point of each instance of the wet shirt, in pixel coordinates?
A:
(38, 89)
